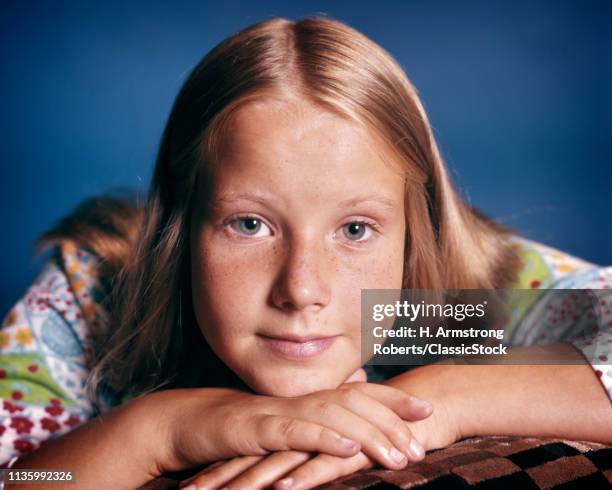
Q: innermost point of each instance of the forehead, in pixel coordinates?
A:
(279, 140)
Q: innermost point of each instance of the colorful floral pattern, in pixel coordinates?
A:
(46, 346)
(567, 315)
(46, 353)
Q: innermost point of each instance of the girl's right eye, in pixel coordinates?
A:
(249, 226)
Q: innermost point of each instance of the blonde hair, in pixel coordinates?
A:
(152, 332)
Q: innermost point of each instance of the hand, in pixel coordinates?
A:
(304, 470)
(251, 472)
(282, 470)
(241, 424)
(441, 429)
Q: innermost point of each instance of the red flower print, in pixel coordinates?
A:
(33, 368)
(16, 395)
(2, 429)
(55, 401)
(2, 374)
(72, 421)
(21, 425)
(535, 284)
(23, 446)
(11, 407)
(54, 410)
(49, 424)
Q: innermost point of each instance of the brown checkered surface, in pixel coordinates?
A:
(481, 463)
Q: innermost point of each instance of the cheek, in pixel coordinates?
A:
(228, 287)
(380, 270)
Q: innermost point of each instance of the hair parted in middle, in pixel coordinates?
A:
(150, 331)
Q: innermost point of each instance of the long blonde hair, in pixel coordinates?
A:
(151, 334)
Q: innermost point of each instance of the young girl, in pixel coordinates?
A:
(221, 321)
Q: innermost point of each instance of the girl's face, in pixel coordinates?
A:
(305, 212)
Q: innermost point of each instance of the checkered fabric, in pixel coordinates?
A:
(483, 463)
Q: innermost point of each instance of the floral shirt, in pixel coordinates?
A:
(46, 347)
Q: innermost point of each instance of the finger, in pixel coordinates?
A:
(218, 474)
(374, 442)
(385, 419)
(186, 483)
(282, 433)
(359, 375)
(214, 465)
(271, 469)
(322, 469)
(405, 405)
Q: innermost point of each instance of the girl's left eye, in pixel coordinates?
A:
(357, 230)
(250, 226)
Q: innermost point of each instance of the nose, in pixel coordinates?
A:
(303, 280)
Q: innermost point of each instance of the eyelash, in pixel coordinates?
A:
(371, 224)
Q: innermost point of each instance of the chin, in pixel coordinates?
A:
(289, 384)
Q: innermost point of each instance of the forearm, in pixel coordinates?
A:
(520, 400)
(110, 451)
(125, 447)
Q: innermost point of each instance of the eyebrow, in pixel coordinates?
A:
(388, 203)
(262, 198)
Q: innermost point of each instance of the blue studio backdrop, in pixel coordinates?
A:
(518, 93)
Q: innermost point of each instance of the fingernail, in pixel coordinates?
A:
(348, 443)
(191, 486)
(416, 450)
(396, 455)
(422, 404)
(286, 482)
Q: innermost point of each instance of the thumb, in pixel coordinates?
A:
(359, 375)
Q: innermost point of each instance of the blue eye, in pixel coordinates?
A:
(355, 231)
(249, 226)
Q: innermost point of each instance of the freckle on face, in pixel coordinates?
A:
(304, 174)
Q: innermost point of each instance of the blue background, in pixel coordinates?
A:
(518, 93)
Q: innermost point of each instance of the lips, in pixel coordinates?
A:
(297, 338)
(298, 348)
